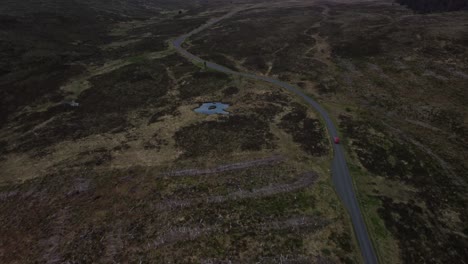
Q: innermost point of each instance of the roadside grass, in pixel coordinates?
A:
(385, 245)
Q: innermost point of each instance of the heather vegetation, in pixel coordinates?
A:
(427, 6)
(103, 158)
(396, 81)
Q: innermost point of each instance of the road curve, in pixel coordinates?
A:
(340, 172)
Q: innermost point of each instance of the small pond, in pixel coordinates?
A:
(212, 108)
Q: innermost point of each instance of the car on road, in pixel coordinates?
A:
(336, 140)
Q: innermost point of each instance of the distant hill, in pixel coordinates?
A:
(428, 6)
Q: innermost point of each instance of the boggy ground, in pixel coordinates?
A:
(98, 133)
(396, 83)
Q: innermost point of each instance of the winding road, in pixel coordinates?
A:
(340, 172)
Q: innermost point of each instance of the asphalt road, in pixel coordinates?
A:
(340, 173)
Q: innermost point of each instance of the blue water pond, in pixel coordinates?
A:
(212, 108)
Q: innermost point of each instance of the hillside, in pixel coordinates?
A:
(396, 81)
(110, 151)
(428, 6)
(104, 160)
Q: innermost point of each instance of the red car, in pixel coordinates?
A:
(337, 140)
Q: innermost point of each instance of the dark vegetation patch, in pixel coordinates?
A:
(363, 37)
(170, 27)
(244, 222)
(221, 137)
(143, 45)
(331, 28)
(249, 179)
(78, 248)
(154, 143)
(43, 43)
(38, 50)
(328, 85)
(293, 59)
(169, 110)
(277, 97)
(160, 32)
(133, 86)
(417, 229)
(382, 155)
(3, 146)
(230, 91)
(428, 6)
(359, 46)
(307, 132)
(227, 168)
(256, 62)
(79, 214)
(250, 210)
(71, 127)
(204, 82)
(306, 180)
(221, 60)
(267, 111)
(211, 74)
(344, 245)
(343, 240)
(243, 248)
(91, 158)
(451, 120)
(422, 237)
(73, 206)
(28, 121)
(255, 38)
(103, 107)
(34, 87)
(307, 68)
(267, 105)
